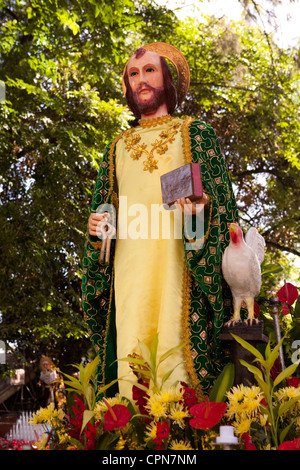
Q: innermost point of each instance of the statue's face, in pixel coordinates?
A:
(146, 81)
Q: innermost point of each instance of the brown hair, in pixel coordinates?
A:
(169, 86)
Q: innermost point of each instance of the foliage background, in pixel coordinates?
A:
(61, 62)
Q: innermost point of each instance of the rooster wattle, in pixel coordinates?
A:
(241, 268)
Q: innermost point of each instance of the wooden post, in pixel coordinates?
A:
(254, 335)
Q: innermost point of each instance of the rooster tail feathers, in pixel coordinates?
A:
(256, 242)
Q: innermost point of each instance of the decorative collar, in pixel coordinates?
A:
(155, 121)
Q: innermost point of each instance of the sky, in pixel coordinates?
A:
(287, 32)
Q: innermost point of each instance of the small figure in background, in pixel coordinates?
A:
(52, 380)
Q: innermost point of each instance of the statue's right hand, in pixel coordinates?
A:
(94, 219)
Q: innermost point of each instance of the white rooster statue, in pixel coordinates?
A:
(241, 269)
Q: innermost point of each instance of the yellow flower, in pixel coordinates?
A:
(48, 415)
(151, 431)
(208, 439)
(263, 419)
(236, 394)
(251, 393)
(170, 395)
(178, 414)
(242, 426)
(156, 408)
(286, 393)
(267, 447)
(42, 442)
(243, 401)
(63, 437)
(121, 443)
(180, 445)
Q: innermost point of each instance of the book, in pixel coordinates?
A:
(184, 181)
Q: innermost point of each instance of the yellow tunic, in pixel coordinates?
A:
(149, 260)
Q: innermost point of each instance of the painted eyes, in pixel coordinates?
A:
(149, 70)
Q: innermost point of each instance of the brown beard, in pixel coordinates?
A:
(153, 103)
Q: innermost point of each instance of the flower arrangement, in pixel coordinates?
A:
(266, 416)
(159, 417)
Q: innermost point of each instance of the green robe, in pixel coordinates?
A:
(207, 298)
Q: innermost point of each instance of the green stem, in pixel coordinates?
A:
(273, 420)
(273, 424)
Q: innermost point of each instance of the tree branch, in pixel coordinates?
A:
(282, 248)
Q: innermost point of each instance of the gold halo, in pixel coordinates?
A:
(178, 60)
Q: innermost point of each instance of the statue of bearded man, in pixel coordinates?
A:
(152, 283)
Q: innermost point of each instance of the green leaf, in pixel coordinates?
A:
(268, 350)
(107, 441)
(286, 373)
(255, 370)
(153, 353)
(258, 377)
(222, 384)
(167, 375)
(274, 354)
(134, 360)
(169, 353)
(264, 410)
(297, 308)
(75, 386)
(76, 443)
(106, 387)
(89, 370)
(285, 431)
(271, 268)
(146, 373)
(136, 384)
(145, 352)
(284, 407)
(249, 347)
(87, 416)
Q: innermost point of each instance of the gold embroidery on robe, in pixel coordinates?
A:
(160, 146)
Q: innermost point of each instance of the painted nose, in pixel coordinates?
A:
(143, 78)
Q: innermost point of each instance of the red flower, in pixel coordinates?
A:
(90, 433)
(263, 402)
(208, 414)
(276, 369)
(140, 396)
(189, 395)
(288, 293)
(293, 382)
(248, 442)
(256, 310)
(162, 432)
(290, 445)
(76, 422)
(285, 309)
(117, 416)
